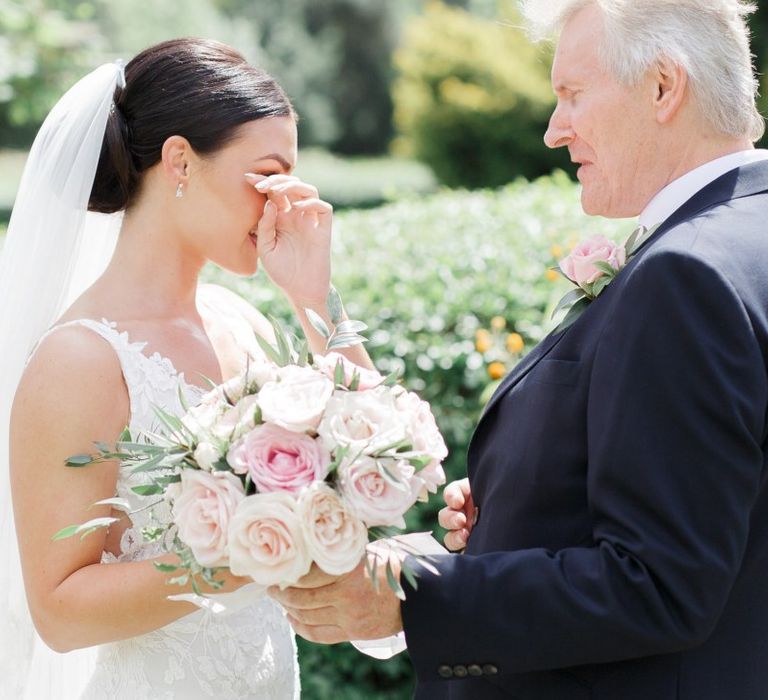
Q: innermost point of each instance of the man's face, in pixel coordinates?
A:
(608, 128)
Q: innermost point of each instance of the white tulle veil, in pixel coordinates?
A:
(53, 250)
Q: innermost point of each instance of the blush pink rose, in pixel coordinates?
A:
(368, 378)
(266, 540)
(335, 538)
(203, 506)
(279, 460)
(579, 264)
(374, 497)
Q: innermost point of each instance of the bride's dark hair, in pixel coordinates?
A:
(196, 88)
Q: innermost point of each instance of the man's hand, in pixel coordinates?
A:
(329, 609)
(460, 515)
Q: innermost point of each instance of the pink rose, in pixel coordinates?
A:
(266, 540)
(368, 378)
(423, 432)
(373, 496)
(335, 538)
(279, 460)
(296, 399)
(203, 506)
(579, 264)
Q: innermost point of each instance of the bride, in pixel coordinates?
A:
(196, 147)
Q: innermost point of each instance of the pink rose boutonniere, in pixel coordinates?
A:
(592, 266)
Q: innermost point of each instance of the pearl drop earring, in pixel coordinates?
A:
(179, 193)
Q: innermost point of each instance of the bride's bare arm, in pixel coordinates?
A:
(71, 394)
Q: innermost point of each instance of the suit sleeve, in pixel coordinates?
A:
(676, 420)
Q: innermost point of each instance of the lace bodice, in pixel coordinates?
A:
(247, 651)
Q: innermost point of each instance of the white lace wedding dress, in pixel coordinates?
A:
(247, 651)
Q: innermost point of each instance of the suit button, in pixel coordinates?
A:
(490, 670)
(460, 671)
(474, 670)
(445, 671)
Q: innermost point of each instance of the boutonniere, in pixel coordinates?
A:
(592, 266)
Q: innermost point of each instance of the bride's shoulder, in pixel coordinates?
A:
(69, 357)
(224, 302)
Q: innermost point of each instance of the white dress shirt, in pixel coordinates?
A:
(679, 191)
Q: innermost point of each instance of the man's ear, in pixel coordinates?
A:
(671, 89)
(177, 156)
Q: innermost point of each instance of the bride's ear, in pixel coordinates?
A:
(177, 157)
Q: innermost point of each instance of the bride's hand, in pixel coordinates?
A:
(294, 237)
(460, 514)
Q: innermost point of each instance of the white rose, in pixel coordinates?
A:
(423, 432)
(206, 455)
(236, 420)
(266, 540)
(335, 538)
(375, 498)
(199, 420)
(203, 506)
(259, 372)
(296, 399)
(365, 421)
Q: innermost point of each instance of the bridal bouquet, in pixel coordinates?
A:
(299, 459)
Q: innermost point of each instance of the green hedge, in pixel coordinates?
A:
(427, 274)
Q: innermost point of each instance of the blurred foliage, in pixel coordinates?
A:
(362, 181)
(427, 274)
(44, 45)
(333, 58)
(472, 99)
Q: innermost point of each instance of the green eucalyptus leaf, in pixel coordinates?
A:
(79, 460)
(338, 373)
(571, 298)
(394, 584)
(148, 490)
(345, 340)
(303, 358)
(118, 503)
(317, 322)
(407, 570)
(351, 327)
(270, 351)
(165, 568)
(335, 306)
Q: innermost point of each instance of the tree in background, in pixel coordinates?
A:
(334, 59)
(472, 98)
(44, 46)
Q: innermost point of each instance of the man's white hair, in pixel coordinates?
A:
(708, 38)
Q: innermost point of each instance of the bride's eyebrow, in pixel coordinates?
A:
(276, 156)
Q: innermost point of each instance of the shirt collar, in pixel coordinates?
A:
(679, 191)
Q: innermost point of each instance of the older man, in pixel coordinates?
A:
(619, 473)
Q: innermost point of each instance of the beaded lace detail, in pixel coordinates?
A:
(248, 651)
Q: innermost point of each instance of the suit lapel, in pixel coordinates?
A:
(742, 182)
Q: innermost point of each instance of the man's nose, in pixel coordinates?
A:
(559, 132)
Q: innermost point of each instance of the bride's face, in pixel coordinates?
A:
(222, 207)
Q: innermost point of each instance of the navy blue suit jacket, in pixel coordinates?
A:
(621, 551)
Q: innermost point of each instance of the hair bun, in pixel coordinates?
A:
(116, 173)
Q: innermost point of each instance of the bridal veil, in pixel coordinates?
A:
(53, 250)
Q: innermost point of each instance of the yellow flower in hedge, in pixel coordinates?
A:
(556, 250)
(498, 323)
(515, 343)
(496, 370)
(483, 340)
(551, 275)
